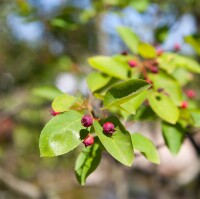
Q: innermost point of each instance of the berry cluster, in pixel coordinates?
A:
(87, 121)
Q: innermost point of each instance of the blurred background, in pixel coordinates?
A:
(44, 46)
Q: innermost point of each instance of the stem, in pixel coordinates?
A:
(193, 142)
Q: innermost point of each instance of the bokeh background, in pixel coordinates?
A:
(44, 46)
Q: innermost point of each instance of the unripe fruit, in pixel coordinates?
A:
(132, 63)
(86, 120)
(88, 141)
(54, 113)
(184, 105)
(190, 93)
(109, 128)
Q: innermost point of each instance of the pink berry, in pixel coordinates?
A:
(54, 113)
(184, 105)
(86, 120)
(88, 141)
(177, 47)
(190, 93)
(109, 128)
(132, 63)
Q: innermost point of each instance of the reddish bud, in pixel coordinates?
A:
(190, 93)
(54, 113)
(86, 120)
(149, 81)
(159, 51)
(154, 69)
(124, 53)
(132, 63)
(177, 47)
(184, 105)
(88, 141)
(160, 90)
(109, 128)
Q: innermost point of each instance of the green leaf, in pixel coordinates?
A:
(140, 6)
(87, 162)
(61, 134)
(146, 50)
(109, 66)
(164, 107)
(97, 80)
(146, 147)
(119, 145)
(123, 92)
(132, 105)
(63, 102)
(173, 135)
(169, 84)
(171, 61)
(194, 43)
(46, 92)
(196, 117)
(129, 38)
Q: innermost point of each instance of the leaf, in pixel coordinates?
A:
(146, 147)
(61, 134)
(169, 84)
(146, 50)
(171, 61)
(140, 6)
(109, 66)
(164, 107)
(97, 80)
(63, 102)
(196, 117)
(123, 92)
(173, 135)
(87, 162)
(46, 92)
(132, 105)
(119, 145)
(129, 38)
(194, 43)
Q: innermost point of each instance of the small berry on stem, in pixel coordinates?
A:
(177, 47)
(86, 120)
(159, 51)
(184, 104)
(88, 141)
(109, 128)
(132, 63)
(190, 93)
(154, 69)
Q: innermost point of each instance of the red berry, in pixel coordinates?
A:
(109, 128)
(88, 141)
(86, 120)
(184, 105)
(190, 93)
(177, 47)
(132, 63)
(54, 113)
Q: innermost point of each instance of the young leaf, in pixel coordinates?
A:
(61, 134)
(129, 38)
(132, 105)
(125, 91)
(87, 162)
(146, 50)
(194, 43)
(169, 84)
(109, 66)
(63, 102)
(173, 135)
(97, 80)
(164, 107)
(146, 147)
(119, 145)
(196, 117)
